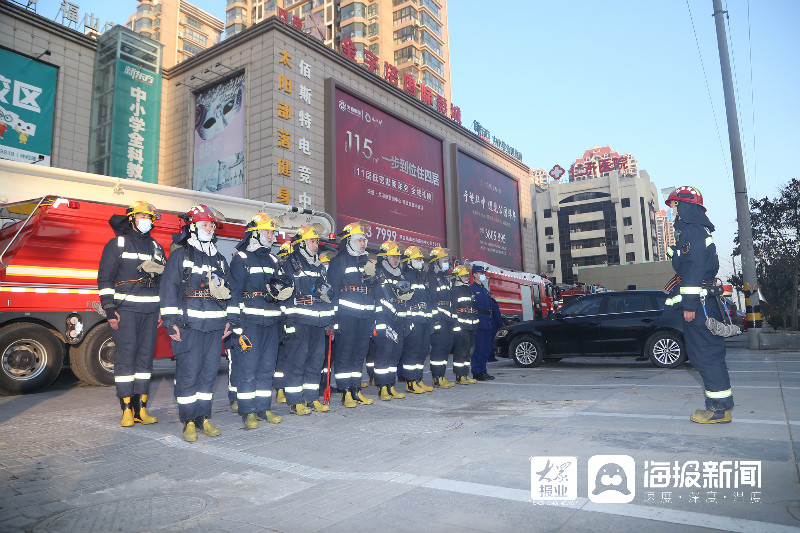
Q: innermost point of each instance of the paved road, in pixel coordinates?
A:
(454, 460)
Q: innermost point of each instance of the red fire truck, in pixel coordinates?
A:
(520, 295)
(54, 226)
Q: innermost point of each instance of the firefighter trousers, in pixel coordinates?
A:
(196, 366)
(441, 347)
(255, 368)
(278, 377)
(463, 347)
(135, 341)
(706, 353)
(386, 354)
(415, 350)
(350, 350)
(305, 353)
(483, 350)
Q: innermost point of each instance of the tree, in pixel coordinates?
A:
(776, 242)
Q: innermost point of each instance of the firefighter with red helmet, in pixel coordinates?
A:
(194, 293)
(439, 286)
(128, 279)
(466, 325)
(694, 258)
(419, 314)
(257, 288)
(308, 313)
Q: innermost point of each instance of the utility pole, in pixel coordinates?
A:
(739, 182)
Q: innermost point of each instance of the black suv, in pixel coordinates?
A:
(625, 323)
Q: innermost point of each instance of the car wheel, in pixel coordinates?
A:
(526, 352)
(31, 357)
(93, 361)
(666, 350)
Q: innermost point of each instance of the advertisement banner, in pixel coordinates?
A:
(219, 122)
(489, 209)
(137, 119)
(388, 174)
(27, 99)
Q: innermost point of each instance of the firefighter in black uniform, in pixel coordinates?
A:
(418, 321)
(277, 380)
(194, 293)
(351, 276)
(439, 287)
(307, 315)
(254, 314)
(127, 279)
(466, 325)
(694, 258)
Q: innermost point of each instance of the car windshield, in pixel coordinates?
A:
(588, 305)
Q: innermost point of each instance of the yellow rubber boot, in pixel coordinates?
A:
(280, 397)
(470, 380)
(270, 417)
(234, 406)
(396, 395)
(320, 407)
(189, 432)
(347, 399)
(425, 388)
(701, 416)
(299, 409)
(140, 410)
(210, 430)
(127, 412)
(385, 394)
(363, 400)
(442, 383)
(251, 421)
(462, 380)
(413, 386)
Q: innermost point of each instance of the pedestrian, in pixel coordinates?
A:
(439, 287)
(484, 336)
(466, 325)
(194, 293)
(128, 280)
(257, 288)
(307, 316)
(351, 275)
(278, 376)
(694, 258)
(418, 317)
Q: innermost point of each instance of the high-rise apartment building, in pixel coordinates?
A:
(183, 29)
(409, 34)
(665, 233)
(541, 179)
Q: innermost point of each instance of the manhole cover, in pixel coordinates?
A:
(129, 515)
(411, 426)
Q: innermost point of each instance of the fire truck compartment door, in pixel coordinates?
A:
(527, 302)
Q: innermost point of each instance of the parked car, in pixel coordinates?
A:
(625, 323)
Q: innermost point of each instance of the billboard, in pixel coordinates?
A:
(27, 99)
(488, 205)
(388, 174)
(137, 119)
(219, 122)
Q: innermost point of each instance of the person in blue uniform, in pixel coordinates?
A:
(466, 325)
(694, 258)
(439, 287)
(254, 314)
(308, 313)
(127, 279)
(351, 275)
(484, 336)
(418, 322)
(194, 293)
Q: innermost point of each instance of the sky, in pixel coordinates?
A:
(554, 78)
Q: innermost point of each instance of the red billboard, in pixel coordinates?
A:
(388, 174)
(488, 204)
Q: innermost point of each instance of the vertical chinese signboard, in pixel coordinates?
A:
(388, 174)
(137, 118)
(27, 97)
(219, 139)
(488, 205)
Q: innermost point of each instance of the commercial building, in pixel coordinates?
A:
(665, 233)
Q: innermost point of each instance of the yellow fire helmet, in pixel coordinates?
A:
(261, 221)
(438, 253)
(143, 207)
(324, 258)
(286, 249)
(412, 252)
(389, 248)
(354, 228)
(459, 271)
(305, 233)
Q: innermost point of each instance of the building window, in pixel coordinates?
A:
(430, 22)
(428, 39)
(373, 29)
(629, 238)
(548, 213)
(630, 257)
(372, 10)
(356, 29)
(626, 221)
(195, 36)
(548, 230)
(406, 33)
(143, 24)
(431, 5)
(375, 49)
(189, 21)
(433, 82)
(407, 14)
(550, 247)
(626, 202)
(433, 62)
(191, 48)
(409, 53)
(355, 9)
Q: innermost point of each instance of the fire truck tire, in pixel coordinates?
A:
(93, 360)
(31, 357)
(526, 352)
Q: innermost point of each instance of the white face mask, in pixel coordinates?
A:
(482, 278)
(416, 264)
(144, 225)
(445, 266)
(204, 236)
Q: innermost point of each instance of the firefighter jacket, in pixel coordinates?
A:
(186, 300)
(389, 309)
(694, 258)
(250, 302)
(306, 306)
(418, 308)
(464, 307)
(348, 291)
(439, 288)
(120, 282)
(483, 304)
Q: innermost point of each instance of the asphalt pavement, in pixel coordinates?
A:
(578, 445)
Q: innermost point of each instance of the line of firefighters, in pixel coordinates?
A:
(282, 312)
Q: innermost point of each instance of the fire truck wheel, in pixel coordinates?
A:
(666, 350)
(93, 360)
(32, 357)
(526, 352)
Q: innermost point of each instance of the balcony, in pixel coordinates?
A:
(585, 217)
(589, 252)
(583, 235)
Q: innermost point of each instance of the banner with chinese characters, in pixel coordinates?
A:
(137, 119)
(388, 174)
(489, 209)
(219, 122)
(27, 97)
